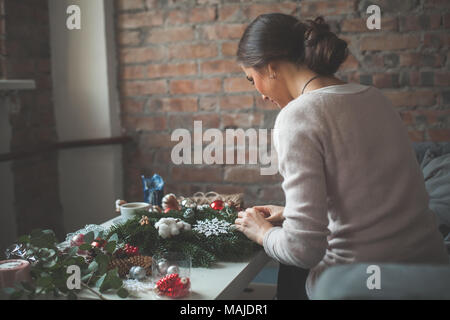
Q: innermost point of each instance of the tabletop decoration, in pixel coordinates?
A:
(106, 256)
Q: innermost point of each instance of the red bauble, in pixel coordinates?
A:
(166, 210)
(98, 243)
(77, 240)
(173, 286)
(217, 205)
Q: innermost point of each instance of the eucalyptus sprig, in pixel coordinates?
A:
(49, 270)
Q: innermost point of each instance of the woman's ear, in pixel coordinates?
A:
(272, 70)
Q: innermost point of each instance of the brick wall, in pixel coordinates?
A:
(177, 65)
(26, 55)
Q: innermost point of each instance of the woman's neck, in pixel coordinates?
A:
(296, 79)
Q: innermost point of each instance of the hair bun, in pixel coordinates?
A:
(316, 30)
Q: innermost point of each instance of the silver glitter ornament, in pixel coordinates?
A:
(137, 273)
(188, 203)
(163, 265)
(173, 269)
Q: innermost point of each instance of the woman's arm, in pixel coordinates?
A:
(302, 239)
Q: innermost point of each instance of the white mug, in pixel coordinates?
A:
(127, 210)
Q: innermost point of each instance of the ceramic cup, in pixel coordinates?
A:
(128, 210)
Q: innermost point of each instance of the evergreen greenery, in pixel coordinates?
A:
(231, 246)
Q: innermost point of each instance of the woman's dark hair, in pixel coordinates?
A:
(277, 36)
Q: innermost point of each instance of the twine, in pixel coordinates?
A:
(206, 198)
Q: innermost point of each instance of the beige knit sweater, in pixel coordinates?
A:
(354, 190)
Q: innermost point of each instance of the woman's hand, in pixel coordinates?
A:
(253, 224)
(273, 214)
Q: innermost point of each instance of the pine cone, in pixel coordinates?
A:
(122, 265)
(141, 261)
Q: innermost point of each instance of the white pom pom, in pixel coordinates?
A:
(164, 231)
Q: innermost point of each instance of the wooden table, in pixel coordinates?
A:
(226, 280)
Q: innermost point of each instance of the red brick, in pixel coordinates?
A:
(196, 86)
(130, 4)
(255, 10)
(229, 48)
(440, 135)
(411, 98)
(407, 117)
(137, 55)
(236, 102)
(269, 194)
(43, 65)
(170, 35)
(192, 51)
(220, 66)
(140, 19)
(128, 38)
(437, 4)
(162, 156)
(133, 72)
(446, 21)
(327, 8)
(390, 42)
(230, 13)
(210, 120)
(190, 174)
(240, 174)
(432, 116)
(418, 23)
(181, 120)
(351, 63)
(242, 120)
(199, 15)
(383, 80)
(151, 4)
(171, 70)
(146, 123)
(43, 81)
(436, 40)
(156, 140)
(226, 188)
(209, 103)
(142, 88)
(132, 106)
(416, 135)
(177, 17)
(223, 31)
(409, 59)
(360, 25)
(237, 85)
(186, 104)
(442, 78)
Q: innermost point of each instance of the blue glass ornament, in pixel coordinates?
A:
(153, 189)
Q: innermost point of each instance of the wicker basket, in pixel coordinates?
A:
(208, 197)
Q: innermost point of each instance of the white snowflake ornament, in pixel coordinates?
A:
(212, 227)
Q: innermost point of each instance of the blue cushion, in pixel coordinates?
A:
(397, 281)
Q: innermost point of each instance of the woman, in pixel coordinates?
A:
(354, 190)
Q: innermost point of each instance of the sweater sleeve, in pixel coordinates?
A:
(302, 239)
